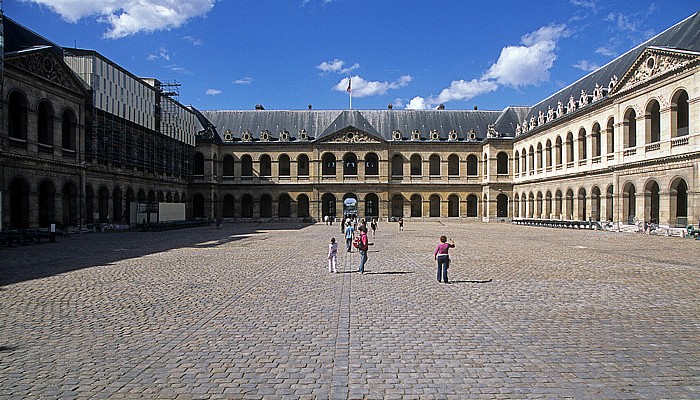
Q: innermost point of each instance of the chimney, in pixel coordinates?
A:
(310, 106)
(476, 108)
(259, 107)
(441, 107)
(390, 106)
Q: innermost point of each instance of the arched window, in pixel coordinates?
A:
(303, 206)
(68, 130)
(416, 165)
(328, 167)
(265, 206)
(198, 164)
(434, 165)
(630, 128)
(569, 147)
(532, 159)
(582, 212)
(679, 203)
(117, 205)
(595, 203)
(453, 205)
(502, 163)
(651, 202)
(629, 203)
(558, 150)
(228, 171)
(680, 114)
(303, 165)
(350, 164)
(540, 161)
(328, 205)
(198, 206)
(371, 206)
(652, 122)
(434, 205)
(247, 206)
(397, 166)
(472, 205)
(284, 206)
(371, 164)
(502, 205)
(47, 203)
(523, 161)
(595, 137)
(516, 162)
(284, 165)
(416, 206)
(17, 116)
(582, 145)
(548, 153)
(45, 124)
(246, 166)
(472, 165)
(610, 134)
(70, 204)
(453, 165)
(265, 165)
(397, 205)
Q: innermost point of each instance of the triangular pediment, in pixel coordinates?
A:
(350, 127)
(45, 64)
(349, 134)
(653, 63)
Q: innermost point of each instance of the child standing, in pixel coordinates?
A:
(332, 256)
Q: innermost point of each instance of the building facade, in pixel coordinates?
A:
(83, 140)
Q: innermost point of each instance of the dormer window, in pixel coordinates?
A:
(415, 135)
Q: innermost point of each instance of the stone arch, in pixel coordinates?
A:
(472, 205)
(397, 161)
(246, 166)
(198, 164)
(629, 129)
(17, 108)
(472, 165)
(581, 206)
(453, 205)
(284, 206)
(328, 201)
(228, 166)
(265, 165)
(434, 163)
(198, 206)
(247, 206)
(651, 201)
(435, 205)
(679, 202)
(69, 197)
(19, 203)
(629, 203)
(453, 165)
(303, 209)
(47, 203)
(416, 205)
(680, 114)
(69, 129)
(416, 165)
(265, 206)
(371, 164)
(652, 122)
(502, 163)
(371, 206)
(228, 206)
(328, 165)
(303, 165)
(397, 205)
(350, 164)
(103, 204)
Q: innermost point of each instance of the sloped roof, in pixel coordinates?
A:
(380, 123)
(683, 36)
(18, 38)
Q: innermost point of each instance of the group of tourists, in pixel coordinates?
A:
(362, 244)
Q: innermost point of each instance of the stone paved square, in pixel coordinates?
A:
(250, 312)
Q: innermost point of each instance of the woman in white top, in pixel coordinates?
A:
(332, 256)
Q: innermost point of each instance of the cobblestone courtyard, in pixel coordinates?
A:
(250, 311)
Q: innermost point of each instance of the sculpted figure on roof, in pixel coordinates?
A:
(613, 82)
(518, 130)
(571, 106)
(560, 109)
(532, 122)
(597, 92)
(550, 113)
(584, 98)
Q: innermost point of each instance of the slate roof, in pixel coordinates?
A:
(379, 123)
(18, 38)
(685, 35)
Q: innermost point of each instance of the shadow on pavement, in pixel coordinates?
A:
(486, 281)
(85, 250)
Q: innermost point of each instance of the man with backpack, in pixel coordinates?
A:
(363, 247)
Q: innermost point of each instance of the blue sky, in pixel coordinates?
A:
(287, 54)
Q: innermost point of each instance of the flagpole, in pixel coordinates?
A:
(350, 89)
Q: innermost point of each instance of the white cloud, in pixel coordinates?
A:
(164, 54)
(213, 92)
(463, 90)
(364, 88)
(528, 64)
(132, 16)
(586, 65)
(244, 81)
(417, 103)
(152, 57)
(336, 66)
(398, 102)
(178, 69)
